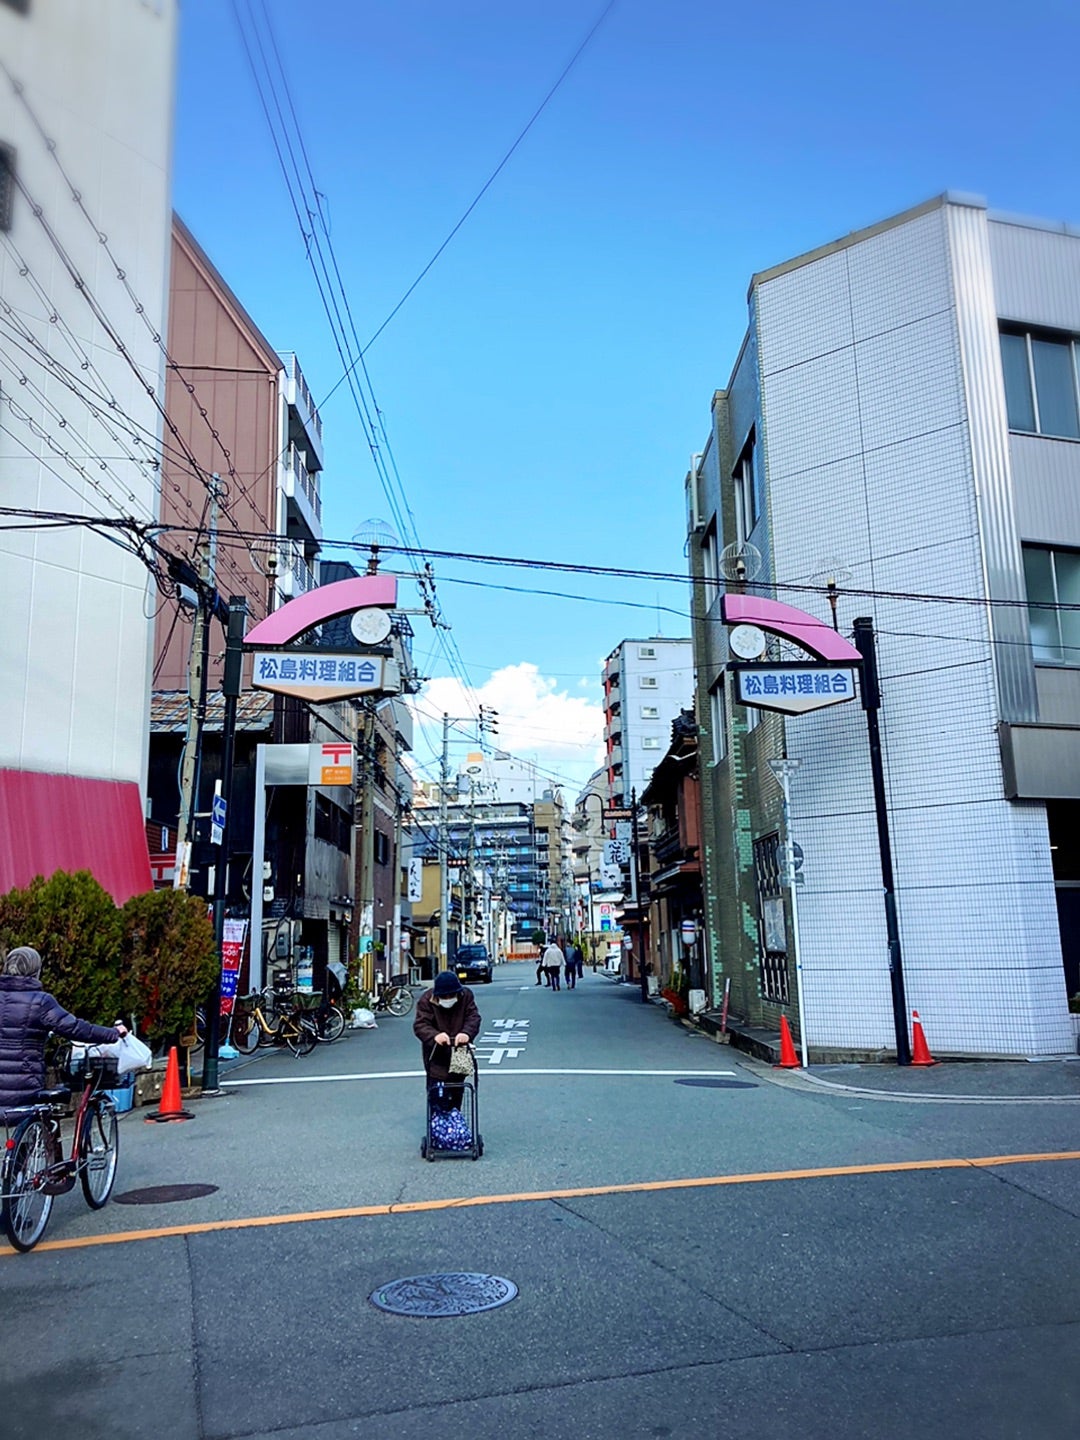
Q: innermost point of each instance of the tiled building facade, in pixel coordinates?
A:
(873, 436)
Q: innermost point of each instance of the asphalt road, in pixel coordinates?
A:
(736, 1281)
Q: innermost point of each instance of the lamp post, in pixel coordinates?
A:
(583, 824)
(783, 770)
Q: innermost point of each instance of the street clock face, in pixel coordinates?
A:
(747, 641)
(370, 626)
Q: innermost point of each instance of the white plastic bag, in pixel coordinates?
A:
(363, 1020)
(129, 1053)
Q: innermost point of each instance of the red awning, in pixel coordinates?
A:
(67, 822)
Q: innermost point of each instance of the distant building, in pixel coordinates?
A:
(899, 433)
(75, 645)
(646, 684)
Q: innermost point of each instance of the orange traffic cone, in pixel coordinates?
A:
(170, 1107)
(920, 1054)
(788, 1059)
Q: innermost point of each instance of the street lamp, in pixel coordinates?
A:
(581, 824)
(783, 770)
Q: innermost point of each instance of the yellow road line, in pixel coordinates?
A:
(413, 1207)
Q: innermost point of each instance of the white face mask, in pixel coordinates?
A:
(447, 1004)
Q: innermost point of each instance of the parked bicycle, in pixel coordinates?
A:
(398, 999)
(295, 1028)
(35, 1169)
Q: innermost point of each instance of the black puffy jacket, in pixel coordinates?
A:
(27, 1014)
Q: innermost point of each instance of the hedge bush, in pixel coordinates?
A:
(75, 925)
(169, 959)
(154, 959)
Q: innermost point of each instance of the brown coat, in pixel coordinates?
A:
(432, 1020)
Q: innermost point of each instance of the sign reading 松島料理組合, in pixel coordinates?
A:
(322, 675)
(793, 689)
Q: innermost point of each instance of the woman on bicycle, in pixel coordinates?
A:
(27, 1014)
(446, 1015)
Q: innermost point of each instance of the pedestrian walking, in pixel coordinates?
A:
(552, 961)
(575, 964)
(27, 1014)
(446, 1016)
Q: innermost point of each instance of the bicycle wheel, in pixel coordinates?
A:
(25, 1208)
(302, 1037)
(332, 1027)
(246, 1032)
(98, 1151)
(199, 1029)
(401, 1001)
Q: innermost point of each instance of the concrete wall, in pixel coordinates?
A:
(75, 647)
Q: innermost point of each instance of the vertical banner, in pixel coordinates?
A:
(232, 950)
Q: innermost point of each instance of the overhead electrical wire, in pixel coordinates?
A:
(487, 183)
(323, 262)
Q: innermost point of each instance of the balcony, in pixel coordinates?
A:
(668, 847)
(615, 755)
(299, 398)
(301, 487)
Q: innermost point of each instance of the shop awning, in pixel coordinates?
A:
(68, 822)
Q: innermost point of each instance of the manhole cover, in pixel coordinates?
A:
(163, 1194)
(706, 1082)
(435, 1296)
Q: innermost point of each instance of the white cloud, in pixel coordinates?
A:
(536, 721)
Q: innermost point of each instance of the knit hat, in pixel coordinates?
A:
(447, 984)
(23, 961)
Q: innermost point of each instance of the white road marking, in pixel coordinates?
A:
(228, 1083)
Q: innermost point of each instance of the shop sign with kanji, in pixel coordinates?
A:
(793, 689)
(318, 675)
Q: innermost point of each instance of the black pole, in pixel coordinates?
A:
(230, 687)
(635, 892)
(871, 700)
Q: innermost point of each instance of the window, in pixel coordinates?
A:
(747, 504)
(650, 742)
(1040, 383)
(710, 563)
(7, 185)
(382, 848)
(650, 712)
(1053, 581)
(646, 652)
(647, 682)
(718, 718)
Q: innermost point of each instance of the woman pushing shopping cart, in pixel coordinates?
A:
(447, 1022)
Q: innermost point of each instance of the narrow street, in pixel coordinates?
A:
(904, 1300)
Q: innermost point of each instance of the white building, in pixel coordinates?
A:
(501, 777)
(646, 684)
(903, 419)
(84, 249)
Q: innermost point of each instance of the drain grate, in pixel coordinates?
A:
(438, 1296)
(706, 1082)
(163, 1194)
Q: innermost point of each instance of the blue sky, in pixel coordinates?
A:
(545, 385)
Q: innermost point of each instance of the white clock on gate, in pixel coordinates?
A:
(370, 626)
(747, 641)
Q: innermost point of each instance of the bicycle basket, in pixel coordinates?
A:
(86, 1067)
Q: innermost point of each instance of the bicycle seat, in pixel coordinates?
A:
(59, 1096)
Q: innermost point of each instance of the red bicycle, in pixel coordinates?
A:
(35, 1169)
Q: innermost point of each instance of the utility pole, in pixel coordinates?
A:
(234, 657)
(444, 873)
(871, 698)
(198, 678)
(366, 897)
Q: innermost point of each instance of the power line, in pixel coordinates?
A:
(487, 183)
